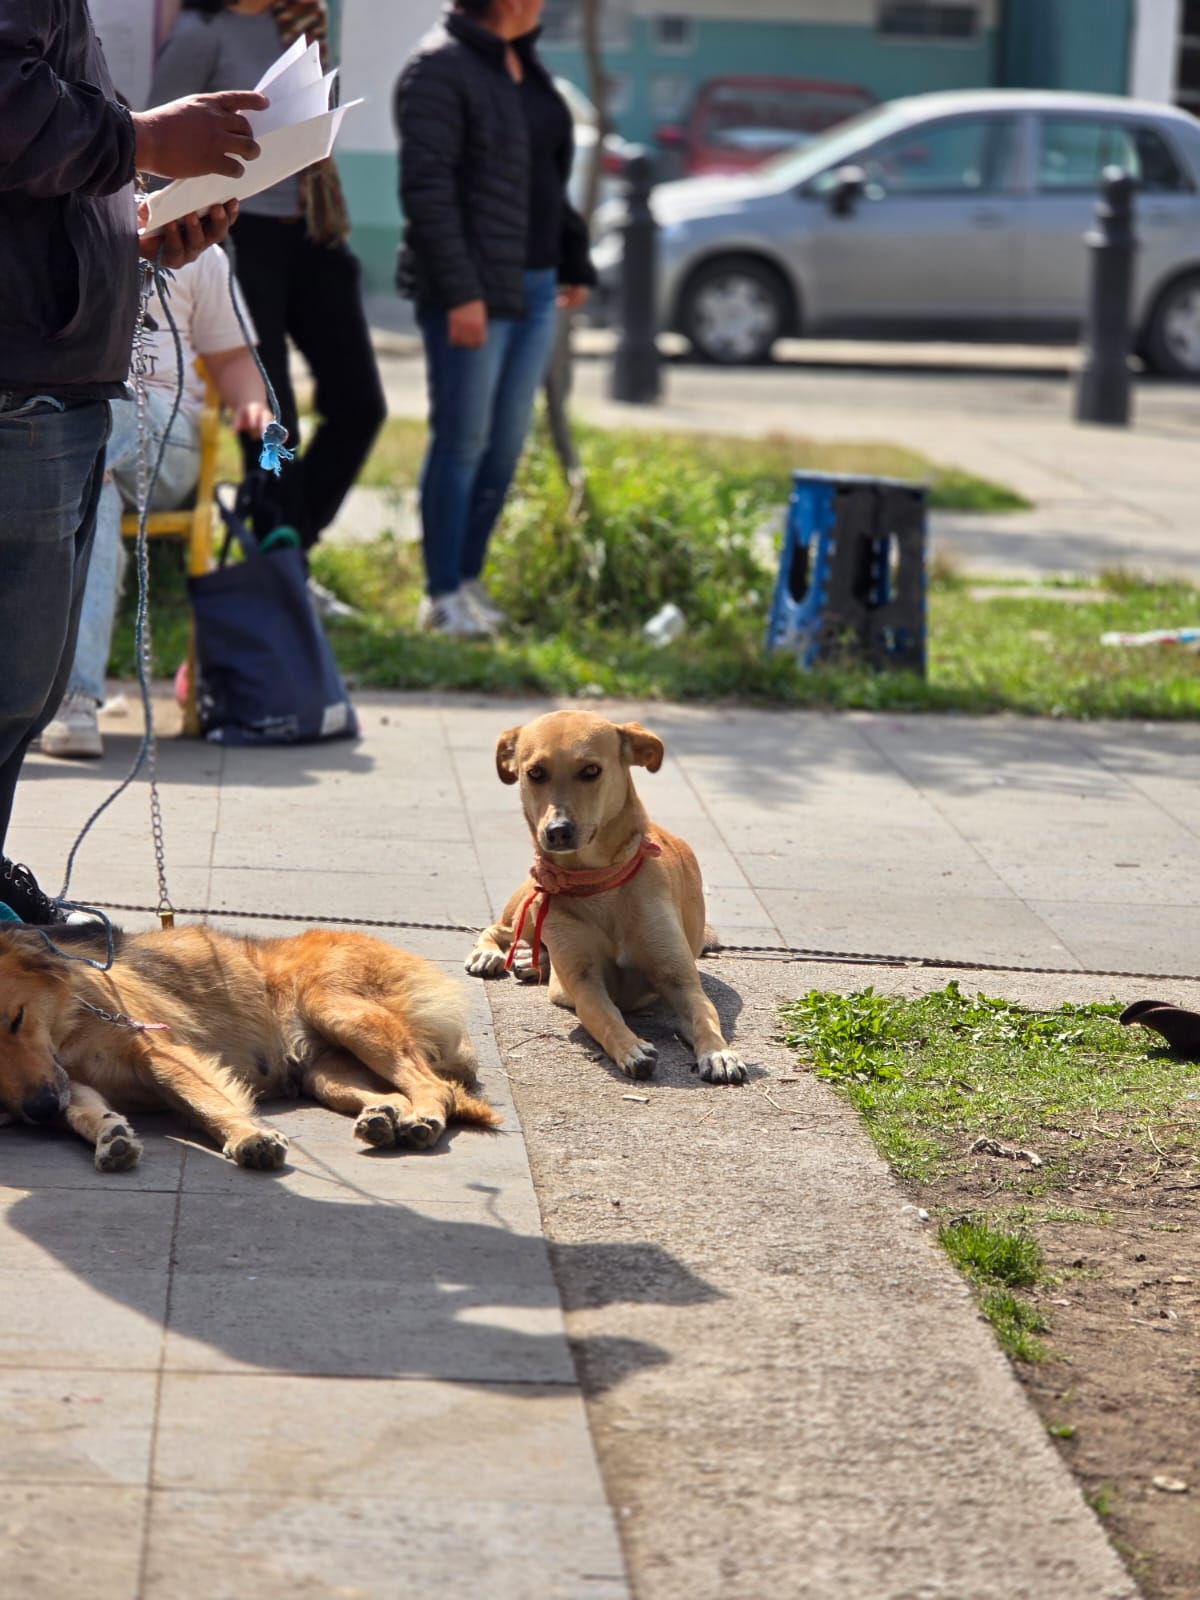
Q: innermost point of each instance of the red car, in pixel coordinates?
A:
(736, 124)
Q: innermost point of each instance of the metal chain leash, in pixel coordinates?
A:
(783, 953)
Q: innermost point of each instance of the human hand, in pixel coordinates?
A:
(571, 296)
(252, 418)
(467, 325)
(200, 134)
(184, 240)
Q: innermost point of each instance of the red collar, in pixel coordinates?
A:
(574, 883)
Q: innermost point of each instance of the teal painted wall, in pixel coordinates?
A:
(1066, 44)
(807, 50)
(370, 180)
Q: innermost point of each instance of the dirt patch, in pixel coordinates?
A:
(1119, 1390)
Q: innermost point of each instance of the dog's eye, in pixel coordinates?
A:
(536, 774)
(590, 773)
(15, 1025)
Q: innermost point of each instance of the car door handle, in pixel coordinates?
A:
(988, 219)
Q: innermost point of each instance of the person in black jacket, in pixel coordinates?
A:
(491, 245)
(68, 301)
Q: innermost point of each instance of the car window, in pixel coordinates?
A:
(1076, 150)
(963, 155)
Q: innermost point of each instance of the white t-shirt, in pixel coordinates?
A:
(200, 305)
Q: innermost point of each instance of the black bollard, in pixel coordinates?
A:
(1103, 391)
(635, 374)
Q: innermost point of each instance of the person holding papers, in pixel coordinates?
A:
(298, 277)
(69, 282)
(491, 244)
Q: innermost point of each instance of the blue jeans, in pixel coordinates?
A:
(176, 480)
(51, 467)
(480, 402)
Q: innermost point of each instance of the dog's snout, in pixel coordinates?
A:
(44, 1106)
(560, 834)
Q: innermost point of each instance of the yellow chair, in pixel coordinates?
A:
(194, 523)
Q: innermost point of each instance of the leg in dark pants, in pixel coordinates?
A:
(311, 292)
(51, 467)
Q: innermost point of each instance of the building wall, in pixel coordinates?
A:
(657, 83)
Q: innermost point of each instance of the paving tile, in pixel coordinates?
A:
(962, 927)
(331, 1437)
(76, 1427)
(53, 1158)
(220, 1546)
(107, 1319)
(1142, 938)
(122, 1232)
(366, 1328)
(442, 896)
(64, 1540)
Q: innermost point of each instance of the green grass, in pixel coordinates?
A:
(999, 1255)
(932, 1074)
(1016, 1324)
(683, 518)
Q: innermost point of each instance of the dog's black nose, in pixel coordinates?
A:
(43, 1106)
(560, 835)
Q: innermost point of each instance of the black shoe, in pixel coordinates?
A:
(19, 891)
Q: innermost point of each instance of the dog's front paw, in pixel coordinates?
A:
(641, 1060)
(485, 963)
(263, 1149)
(722, 1066)
(117, 1148)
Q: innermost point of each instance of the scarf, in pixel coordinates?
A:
(322, 201)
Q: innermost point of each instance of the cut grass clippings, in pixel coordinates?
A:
(681, 517)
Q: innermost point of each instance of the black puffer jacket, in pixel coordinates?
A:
(68, 245)
(464, 174)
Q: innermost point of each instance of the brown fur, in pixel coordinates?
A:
(369, 1031)
(622, 949)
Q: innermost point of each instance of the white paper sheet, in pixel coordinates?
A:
(295, 130)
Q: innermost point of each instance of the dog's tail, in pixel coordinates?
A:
(712, 941)
(469, 1107)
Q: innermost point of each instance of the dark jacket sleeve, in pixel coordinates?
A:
(574, 256)
(430, 118)
(56, 138)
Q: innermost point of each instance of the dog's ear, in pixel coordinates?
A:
(36, 953)
(640, 748)
(506, 755)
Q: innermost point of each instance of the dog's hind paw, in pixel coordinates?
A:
(722, 1066)
(641, 1060)
(264, 1149)
(376, 1126)
(385, 1125)
(117, 1148)
(485, 964)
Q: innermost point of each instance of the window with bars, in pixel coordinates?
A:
(927, 19)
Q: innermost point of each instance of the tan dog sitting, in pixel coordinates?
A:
(616, 901)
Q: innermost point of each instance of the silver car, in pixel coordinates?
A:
(941, 216)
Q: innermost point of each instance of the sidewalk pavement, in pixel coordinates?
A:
(353, 1379)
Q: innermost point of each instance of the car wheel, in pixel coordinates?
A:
(734, 309)
(1173, 336)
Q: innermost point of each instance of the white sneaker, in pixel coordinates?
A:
(482, 604)
(75, 732)
(450, 614)
(327, 604)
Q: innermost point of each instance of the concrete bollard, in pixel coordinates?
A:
(1103, 391)
(635, 373)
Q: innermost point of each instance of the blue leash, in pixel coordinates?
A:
(272, 456)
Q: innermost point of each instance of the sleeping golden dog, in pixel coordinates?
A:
(207, 1023)
(617, 901)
